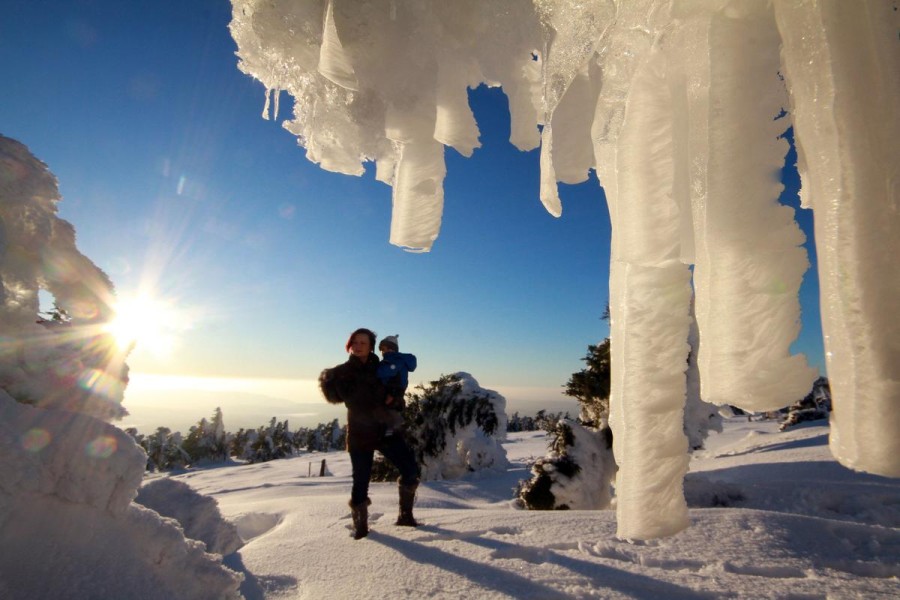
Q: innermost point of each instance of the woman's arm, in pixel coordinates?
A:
(328, 384)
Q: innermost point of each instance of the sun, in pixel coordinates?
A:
(146, 322)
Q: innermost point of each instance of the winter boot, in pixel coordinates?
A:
(407, 499)
(360, 514)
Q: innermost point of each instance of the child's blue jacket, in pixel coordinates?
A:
(396, 363)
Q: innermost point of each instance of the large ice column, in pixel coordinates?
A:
(650, 291)
(842, 65)
(650, 298)
(749, 259)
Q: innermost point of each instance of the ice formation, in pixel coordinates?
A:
(679, 106)
(68, 477)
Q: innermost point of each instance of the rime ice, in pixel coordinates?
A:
(675, 105)
(68, 478)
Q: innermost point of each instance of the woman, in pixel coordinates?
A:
(356, 384)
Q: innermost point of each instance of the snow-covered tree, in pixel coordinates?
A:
(591, 385)
(266, 443)
(542, 420)
(164, 450)
(62, 377)
(218, 441)
(335, 436)
(207, 441)
(814, 406)
(238, 442)
(195, 442)
(576, 474)
(455, 426)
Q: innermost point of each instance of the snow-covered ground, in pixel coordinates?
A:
(773, 516)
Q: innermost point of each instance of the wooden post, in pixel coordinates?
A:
(322, 469)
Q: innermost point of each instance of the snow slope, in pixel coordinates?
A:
(776, 517)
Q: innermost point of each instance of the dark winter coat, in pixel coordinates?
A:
(356, 384)
(394, 373)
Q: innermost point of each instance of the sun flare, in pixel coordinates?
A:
(146, 322)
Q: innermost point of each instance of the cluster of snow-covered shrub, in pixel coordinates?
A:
(540, 421)
(277, 440)
(208, 442)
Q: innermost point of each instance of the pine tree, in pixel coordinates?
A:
(164, 450)
(238, 442)
(218, 437)
(194, 443)
(591, 385)
(436, 415)
(576, 474)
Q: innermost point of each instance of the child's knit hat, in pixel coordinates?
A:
(391, 342)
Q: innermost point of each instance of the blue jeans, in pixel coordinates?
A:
(395, 449)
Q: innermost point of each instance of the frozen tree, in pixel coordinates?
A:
(207, 441)
(541, 420)
(196, 443)
(218, 437)
(61, 379)
(266, 443)
(332, 436)
(164, 450)
(282, 439)
(456, 427)
(238, 442)
(814, 406)
(577, 473)
(591, 385)
(67, 361)
(663, 99)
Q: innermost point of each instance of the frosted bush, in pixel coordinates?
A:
(577, 473)
(456, 427)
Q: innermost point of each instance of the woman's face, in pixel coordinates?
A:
(361, 346)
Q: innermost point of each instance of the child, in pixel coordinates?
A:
(393, 371)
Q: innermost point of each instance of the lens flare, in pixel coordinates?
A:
(147, 322)
(101, 447)
(99, 382)
(35, 439)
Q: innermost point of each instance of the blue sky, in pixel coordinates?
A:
(176, 185)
